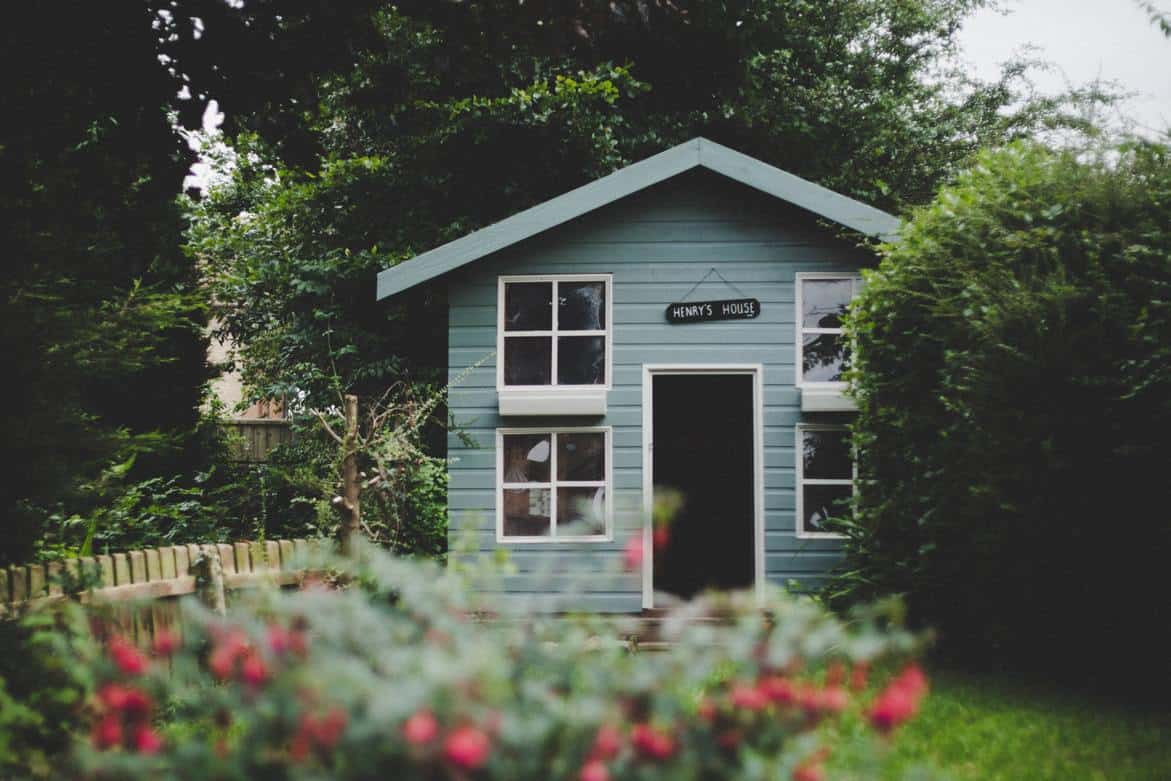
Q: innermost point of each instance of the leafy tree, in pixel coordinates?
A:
(454, 115)
(101, 325)
(1013, 373)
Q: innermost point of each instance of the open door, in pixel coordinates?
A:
(704, 448)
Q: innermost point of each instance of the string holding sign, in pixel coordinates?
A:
(705, 311)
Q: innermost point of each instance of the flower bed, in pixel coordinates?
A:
(386, 676)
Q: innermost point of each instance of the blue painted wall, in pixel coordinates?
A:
(657, 244)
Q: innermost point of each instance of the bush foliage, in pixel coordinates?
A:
(1013, 375)
(391, 675)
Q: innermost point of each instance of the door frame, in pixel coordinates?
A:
(649, 370)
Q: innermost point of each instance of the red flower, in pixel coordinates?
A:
(748, 697)
(833, 699)
(330, 728)
(777, 689)
(467, 748)
(809, 772)
(835, 674)
(107, 733)
(113, 696)
(608, 742)
(278, 639)
(166, 642)
(729, 739)
(136, 704)
(421, 728)
(651, 743)
(899, 701)
(222, 661)
(254, 671)
(661, 537)
(127, 657)
(147, 741)
(632, 555)
(594, 770)
(707, 710)
(858, 677)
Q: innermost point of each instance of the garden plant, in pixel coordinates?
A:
(389, 668)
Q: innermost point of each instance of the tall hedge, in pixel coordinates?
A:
(1013, 373)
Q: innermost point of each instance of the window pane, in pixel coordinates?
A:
(824, 301)
(526, 512)
(581, 360)
(827, 454)
(528, 306)
(581, 456)
(528, 360)
(581, 306)
(824, 357)
(526, 458)
(825, 501)
(581, 511)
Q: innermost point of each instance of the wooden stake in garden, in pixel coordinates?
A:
(348, 503)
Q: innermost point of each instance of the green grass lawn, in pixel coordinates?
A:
(990, 727)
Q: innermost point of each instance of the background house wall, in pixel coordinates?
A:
(657, 243)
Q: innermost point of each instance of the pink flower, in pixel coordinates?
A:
(594, 770)
(113, 696)
(278, 639)
(651, 743)
(899, 701)
(421, 728)
(467, 748)
(329, 729)
(633, 553)
(607, 743)
(809, 772)
(748, 697)
(107, 733)
(222, 661)
(661, 537)
(859, 676)
(147, 741)
(166, 642)
(136, 704)
(127, 657)
(777, 689)
(254, 671)
(833, 699)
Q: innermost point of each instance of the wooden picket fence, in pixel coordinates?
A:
(144, 586)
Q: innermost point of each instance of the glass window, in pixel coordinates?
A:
(547, 345)
(822, 348)
(825, 482)
(553, 484)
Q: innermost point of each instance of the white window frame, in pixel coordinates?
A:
(607, 483)
(802, 331)
(607, 333)
(802, 481)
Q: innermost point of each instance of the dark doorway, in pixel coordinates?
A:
(703, 449)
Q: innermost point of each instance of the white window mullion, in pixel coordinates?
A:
(553, 481)
(556, 307)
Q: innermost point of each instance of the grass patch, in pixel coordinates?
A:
(993, 728)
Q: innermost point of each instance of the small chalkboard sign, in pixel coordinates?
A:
(705, 311)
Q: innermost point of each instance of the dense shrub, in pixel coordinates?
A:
(391, 676)
(1013, 373)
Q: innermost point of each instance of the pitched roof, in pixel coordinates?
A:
(698, 152)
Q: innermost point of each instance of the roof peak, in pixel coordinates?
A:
(699, 152)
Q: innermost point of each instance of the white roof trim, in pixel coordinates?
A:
(698, 152)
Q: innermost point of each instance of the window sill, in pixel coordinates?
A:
(553, 401)
(826, 400)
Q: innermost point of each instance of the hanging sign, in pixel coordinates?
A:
(705, 311)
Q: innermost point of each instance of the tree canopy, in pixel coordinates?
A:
(449, 116)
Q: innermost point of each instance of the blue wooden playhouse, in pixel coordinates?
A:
(670, 329)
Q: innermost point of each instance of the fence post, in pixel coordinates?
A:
(209, 579)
